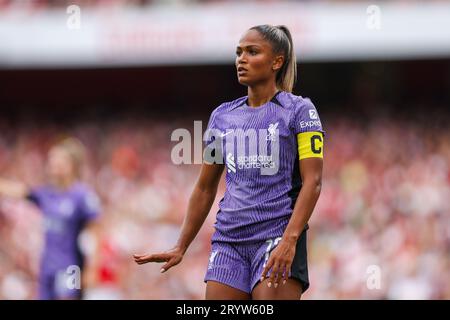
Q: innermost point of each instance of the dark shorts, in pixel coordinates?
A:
(241, 265)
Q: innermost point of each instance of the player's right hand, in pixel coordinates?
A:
(172, 257)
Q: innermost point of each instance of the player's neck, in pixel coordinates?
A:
(261, 94)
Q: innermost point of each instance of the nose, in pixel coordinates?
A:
(241, 59)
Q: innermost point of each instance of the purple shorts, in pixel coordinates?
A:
(241, 265)
(56, 285)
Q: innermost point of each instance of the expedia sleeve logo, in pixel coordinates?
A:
(313, 123)
(310, 144)
(313, 114)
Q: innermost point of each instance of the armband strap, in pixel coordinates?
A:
(310, 144)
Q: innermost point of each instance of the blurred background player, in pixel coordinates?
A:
(68, 206)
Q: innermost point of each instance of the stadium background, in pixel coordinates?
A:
(386, 180)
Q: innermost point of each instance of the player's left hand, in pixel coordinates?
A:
(280, 262)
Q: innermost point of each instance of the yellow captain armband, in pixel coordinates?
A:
(310, 144)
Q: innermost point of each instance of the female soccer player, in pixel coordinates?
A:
(68, 206)
(259, 245)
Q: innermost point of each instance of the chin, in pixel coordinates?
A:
(243, 81)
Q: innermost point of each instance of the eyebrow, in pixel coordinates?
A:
(249, 46)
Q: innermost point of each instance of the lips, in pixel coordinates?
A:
(241, 71)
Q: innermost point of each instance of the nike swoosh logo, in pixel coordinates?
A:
(224, 134)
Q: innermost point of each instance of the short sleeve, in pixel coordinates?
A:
(209, 136)
(305, 117)
(35, 196)
(212, 141)
(90, 205)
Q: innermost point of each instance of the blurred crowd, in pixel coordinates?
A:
(380, 229)
(383, 211)
(43, 4)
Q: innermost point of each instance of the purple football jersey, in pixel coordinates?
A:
(65, 214)
(258, 146)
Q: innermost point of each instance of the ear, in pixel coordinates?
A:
(277, 63)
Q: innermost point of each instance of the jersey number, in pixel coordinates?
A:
(271, 244)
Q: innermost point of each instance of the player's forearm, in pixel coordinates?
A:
(199, 206)
(304, 207)
(12, 189)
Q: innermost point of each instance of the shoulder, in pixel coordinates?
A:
(87, 196)
(41, 190)
(304, 116)
(83, 190)
(228, 106)
(295, 103)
